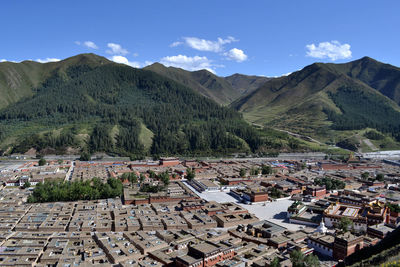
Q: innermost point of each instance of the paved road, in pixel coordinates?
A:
(68, 176)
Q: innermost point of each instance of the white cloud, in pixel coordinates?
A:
(236, 54)
(124, 60)
(48, 59)
(90, 44)
(206, 45)
(188, 63)
(13, 61)
(333, 50)
(116, 49)
(174, 44)
(135, 64)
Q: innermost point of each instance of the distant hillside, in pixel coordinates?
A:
(246, 83)
(89, 103)
(202, 81)
(221, 90)
(383, 77)
(329, 101)
(18, 79)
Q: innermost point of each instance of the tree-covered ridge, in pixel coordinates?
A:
(331, 102)
(115, 100)
(361, 109)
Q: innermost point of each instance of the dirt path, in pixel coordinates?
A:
(304, 137)
(370, 144)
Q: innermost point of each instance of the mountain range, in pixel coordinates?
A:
(223, 90)
(330, 101)
(88, 103)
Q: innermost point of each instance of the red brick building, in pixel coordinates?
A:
(255, 196)
(315, 191)
(346, 244)
(167, 162)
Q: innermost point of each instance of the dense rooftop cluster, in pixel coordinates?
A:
(242, 212)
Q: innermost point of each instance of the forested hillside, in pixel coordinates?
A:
(105, 107)
(88, 103)
(202, 81)
(223, 90)
(18, 80)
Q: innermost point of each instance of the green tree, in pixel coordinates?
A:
(345, 224)
(85, 156)
(42, 162)
(164, 177)
(330, 184)
(393, 207)
(266, 169)
(299, 260)
(275, 262)
(365, 175)
(125, 176)
(242, 172)
(275, 193)
(190, 174)
(311, 260)
(133, 178)
(152, 174)
(142, 177)
(254, 171)
(380, 177)
(51, 191)
(27, 184)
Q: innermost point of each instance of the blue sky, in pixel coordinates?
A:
(268, 38)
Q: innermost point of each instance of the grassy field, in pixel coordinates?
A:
(146, 137)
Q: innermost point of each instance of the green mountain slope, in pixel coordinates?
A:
(245, 84)
(202, 81)
(18, 79)
(383, 77)
(221, 90)
(324, 101)
(89, 103)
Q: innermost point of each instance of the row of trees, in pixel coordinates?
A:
(265, 170)
(366, 176)
(330, 184)
(393, 207)
(298, 259)
(51, 191)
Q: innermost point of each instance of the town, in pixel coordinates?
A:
(178, 212)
